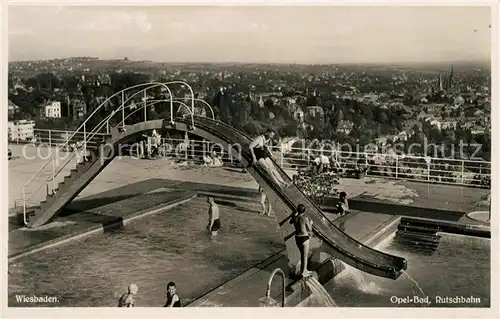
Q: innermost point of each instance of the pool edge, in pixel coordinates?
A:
(99, 228)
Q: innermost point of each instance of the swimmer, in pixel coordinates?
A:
(342, 204)
(127, 299)
(213, 217)
(303, 227)
(259, 150)
(266, 211)
(173, 299)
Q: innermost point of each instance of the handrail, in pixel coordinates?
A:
(57, 131)
(92, 134)
(192, 98)
(101, 125)
(67, 160)
(83, 124)
(200, 100)
(96, 129)
(153, 102)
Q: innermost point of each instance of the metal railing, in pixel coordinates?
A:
(436, 170)
(83, 135)
(448, 171)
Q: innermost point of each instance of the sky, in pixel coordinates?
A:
(328, 34)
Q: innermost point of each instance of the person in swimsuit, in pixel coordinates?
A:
(213, 217)
(259, 151)
(127, 299)
(303, 227)
(342, 204)
(266, 211)
(173, 299)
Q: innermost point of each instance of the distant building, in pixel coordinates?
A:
(451, 124)
(21, 130)
(79, 109)
(53, 110)
(434, 122)
(402, 136)
(315, 111)
(345, 127)
(291, 101)
(12, 109)
(298, 114)
(477, 130)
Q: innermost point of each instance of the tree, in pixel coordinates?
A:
(340, 116)
(222, 100)
(120, 81)
(253, 128)
(317, 186)
(290, 129)
(70, 83)
(241, 114)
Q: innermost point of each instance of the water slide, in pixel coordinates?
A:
(338, 243)
(335, 241)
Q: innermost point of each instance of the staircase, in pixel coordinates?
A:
(45, 180)
(66, 190)
(418, 237)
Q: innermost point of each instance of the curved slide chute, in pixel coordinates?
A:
(338, 243)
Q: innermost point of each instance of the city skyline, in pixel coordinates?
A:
(302, 35)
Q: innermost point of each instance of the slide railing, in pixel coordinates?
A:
(66, 150)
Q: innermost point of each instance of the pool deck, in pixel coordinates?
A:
(92, 219)
(100, 210)
(123, 171)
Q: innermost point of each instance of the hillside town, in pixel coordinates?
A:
(365, 104)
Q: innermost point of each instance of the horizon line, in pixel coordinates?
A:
(265, 62)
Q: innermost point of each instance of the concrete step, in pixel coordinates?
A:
(417, 224)
(418, 229)
(419, 236)
(81, 165)
(407, 242)
(30, 214)
(69, 178)
(60, 186)
(51, 198)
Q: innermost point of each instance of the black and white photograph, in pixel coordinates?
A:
(236, 155)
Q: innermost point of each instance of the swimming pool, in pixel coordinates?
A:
(460, 267)
(150, 252)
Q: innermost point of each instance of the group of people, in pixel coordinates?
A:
(214, 221)
(149, 146)
(128, 298)
(261, 155)
(302, 224)
(213, 160)
(173, 300)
